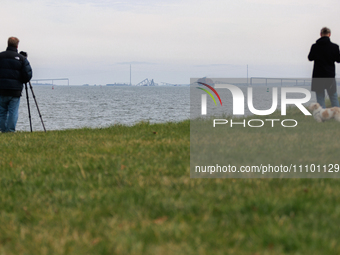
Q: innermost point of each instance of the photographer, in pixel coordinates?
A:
(15, 70)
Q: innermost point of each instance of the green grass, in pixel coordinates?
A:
(127, 190)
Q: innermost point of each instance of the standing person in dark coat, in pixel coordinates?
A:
(15, 70)
(324, 53)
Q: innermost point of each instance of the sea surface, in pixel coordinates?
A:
(71, 107)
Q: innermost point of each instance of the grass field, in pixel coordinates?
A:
(127, 190)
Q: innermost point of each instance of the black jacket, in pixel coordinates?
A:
(14, 71)
(324, 53)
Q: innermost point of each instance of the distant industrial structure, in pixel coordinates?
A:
(118, 84)
(147, 82)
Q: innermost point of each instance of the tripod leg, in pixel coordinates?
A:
(28, 106)
(35, 100)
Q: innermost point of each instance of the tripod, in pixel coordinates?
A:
(28, 106)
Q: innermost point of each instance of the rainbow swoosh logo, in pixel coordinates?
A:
(209, 93)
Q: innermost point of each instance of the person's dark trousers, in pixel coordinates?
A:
(9, 113)
(333, 97)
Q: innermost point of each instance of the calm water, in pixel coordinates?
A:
(68, 107)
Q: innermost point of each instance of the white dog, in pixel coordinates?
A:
(321, 114)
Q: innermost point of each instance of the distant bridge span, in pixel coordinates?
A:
(59, 79)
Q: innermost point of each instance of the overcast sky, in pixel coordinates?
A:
(93, 41)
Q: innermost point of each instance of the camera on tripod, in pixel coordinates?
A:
(23, 53)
